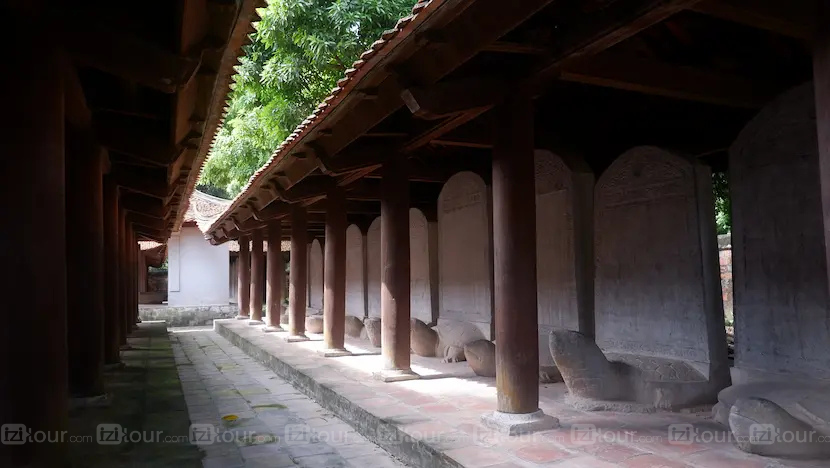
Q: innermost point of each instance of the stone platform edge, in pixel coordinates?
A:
(388, 436)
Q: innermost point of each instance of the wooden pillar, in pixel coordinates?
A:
(821, 83)
(243, 289)
(142, 272)
(299, 275)
(514, 257)
(112, 317)
(33, 364)
(394, 276)
(85, 264)
(273, 286)
(257, 276)
(334, 273)
(133, 280)
(123, 278)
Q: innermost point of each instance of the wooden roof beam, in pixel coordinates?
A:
(142, 144)
(481, 23)
(449, 98)
(599, 31)
(661, 79)
(128, 57)
(795, 18)
(150, 182)
(143, 204)
(150, 222)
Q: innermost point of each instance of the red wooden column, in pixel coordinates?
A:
(123, 279)
(514, 256)
(821, 82)
(257, 273)
(273, 285)
(85, 267)
(33, 365)
(394, 272)
(297, 289)
(334, 272)
(243, 268)
(132, 282)
(112, 316)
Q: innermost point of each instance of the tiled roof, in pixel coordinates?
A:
(218, 109)
(352, 77)
(203, 209)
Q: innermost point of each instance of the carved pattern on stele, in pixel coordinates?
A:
(650, 297)
(373, 268)
(465, 267)
(355, 280)
(555, 266)
(315, 276)
(778, 239)
(420, 295)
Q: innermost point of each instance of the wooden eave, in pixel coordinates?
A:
(604, 74)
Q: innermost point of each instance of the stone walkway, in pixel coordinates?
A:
(147, 423)
(435, 421)
(244, 415)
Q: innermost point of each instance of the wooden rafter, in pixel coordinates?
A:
(793, 18)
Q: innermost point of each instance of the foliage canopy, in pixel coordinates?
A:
(299, 51)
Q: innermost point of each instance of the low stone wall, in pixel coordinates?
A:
(187, 316)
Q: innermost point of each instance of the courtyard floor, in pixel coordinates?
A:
(195, 400)
(435, 421)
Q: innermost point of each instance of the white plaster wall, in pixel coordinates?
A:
(355, 278)
(373, 268)
(201, 271)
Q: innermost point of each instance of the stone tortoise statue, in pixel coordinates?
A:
(795, 416)
(621, 382)
(446, 340)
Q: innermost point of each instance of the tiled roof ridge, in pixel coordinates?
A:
(352, 77)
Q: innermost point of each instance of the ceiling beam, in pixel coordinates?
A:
(515, 48)
(795, 18)
(597, 32)
(475, 27)
(661, 79)
(449, 98)
(143, 204)
(148, 181)
(131, 139)
(147, 221)
(443, 127)
(127, 57)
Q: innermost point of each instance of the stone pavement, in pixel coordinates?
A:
(146, 398)
(256, 419)
(435, 421)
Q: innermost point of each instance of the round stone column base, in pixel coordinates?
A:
(270, 329)
(519, 423)
(243, 317)
(296, 338)
(333, 352)
(255, 322)
(395, 375)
